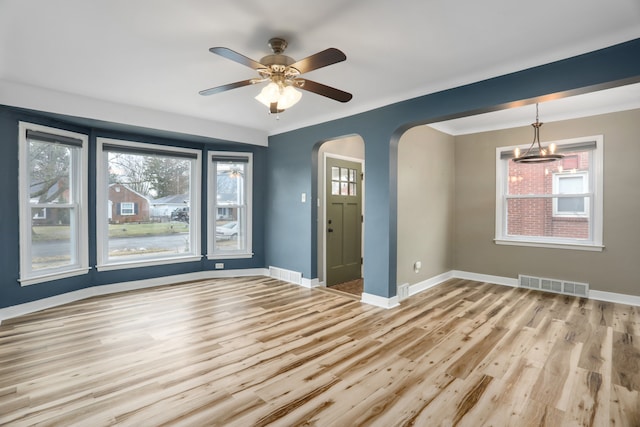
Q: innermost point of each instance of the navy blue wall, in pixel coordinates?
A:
(291, 168)
(11, 293)
(284, 228)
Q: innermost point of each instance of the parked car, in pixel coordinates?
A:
(227, 231)
(180, 214)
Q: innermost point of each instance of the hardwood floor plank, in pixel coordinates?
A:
(626, 361)
(257, 351)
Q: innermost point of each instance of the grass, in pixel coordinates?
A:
(43, 233)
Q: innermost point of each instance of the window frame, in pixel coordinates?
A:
(595, 210)
(212, 252)
(102, 195)
(79, 227)
(557, 177)
(129, 210)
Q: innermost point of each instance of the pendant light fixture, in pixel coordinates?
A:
(535, 153)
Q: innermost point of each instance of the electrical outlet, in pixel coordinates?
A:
(219, 265)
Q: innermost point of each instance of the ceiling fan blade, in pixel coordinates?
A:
(319, 60)
(222, 88)
(236, 57)
(324, 90)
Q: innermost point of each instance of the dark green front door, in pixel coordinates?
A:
(344, 221)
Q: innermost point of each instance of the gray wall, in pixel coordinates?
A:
(425, 203)
(616, 269)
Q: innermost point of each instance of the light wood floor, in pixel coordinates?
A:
(258, 352)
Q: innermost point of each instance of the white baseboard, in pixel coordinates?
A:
(54, 301)
(310, 283)
(379, 301)
(429, 283)
(498, 280)
(613, 297)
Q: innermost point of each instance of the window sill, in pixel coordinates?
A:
(572, 246)
(239, 255)
(147, 263)
(53, 276)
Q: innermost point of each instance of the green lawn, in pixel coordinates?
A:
(61, 232)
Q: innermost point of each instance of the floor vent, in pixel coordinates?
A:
(554, 285)
(286, 275)
(403, 291)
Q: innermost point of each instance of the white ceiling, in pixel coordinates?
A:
(153, 54)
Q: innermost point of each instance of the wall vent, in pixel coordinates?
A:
(554, 285)
(403, 291)
(286, 275)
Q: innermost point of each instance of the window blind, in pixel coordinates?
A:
(53, 138)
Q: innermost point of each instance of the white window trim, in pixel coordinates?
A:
(585, 193)
(102, 180)
(247, 252)
(596, 182)
(122, 208)
(44, 212)
(81, 235)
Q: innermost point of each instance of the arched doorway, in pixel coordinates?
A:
(340, 178)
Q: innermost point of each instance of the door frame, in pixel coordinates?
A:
(323, 214)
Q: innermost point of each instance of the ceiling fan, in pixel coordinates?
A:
(283, 74)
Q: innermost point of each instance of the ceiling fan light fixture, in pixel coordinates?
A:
(284, 97)
(535, 153)
(289, 97)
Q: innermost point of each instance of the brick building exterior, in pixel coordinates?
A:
(549, 217)
(127, 205)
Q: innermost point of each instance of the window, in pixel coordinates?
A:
(127, 208)
(556, 204)
(53, 193)
(571, 183)
(343, 181)
(230, 189)
(148, 198)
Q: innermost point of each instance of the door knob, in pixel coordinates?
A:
(329, 230)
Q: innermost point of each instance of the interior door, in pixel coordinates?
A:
(344, 220)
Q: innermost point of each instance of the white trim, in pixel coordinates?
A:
(147, 263)
(230, 256)
(379, 301)
(323, 219)
(534, 244)
(487, 278)
(102, 215)
(429, 283)
(596, 184)
(31, 307)
(614, 297)
(79, 229)
(559, 176)
(213, 207)
(53, 276)
(133, 208)
(310, 283)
